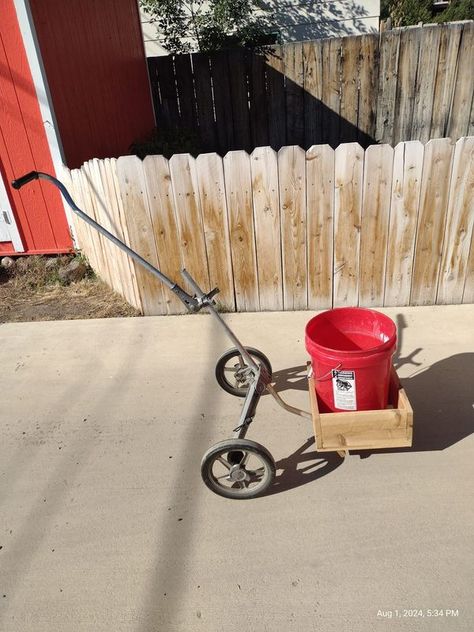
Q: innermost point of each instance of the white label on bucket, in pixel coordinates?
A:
(344, 390)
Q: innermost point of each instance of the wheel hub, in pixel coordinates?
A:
(238, 474)
(242, 376)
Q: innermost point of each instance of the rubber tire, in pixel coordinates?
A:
(229, 445)
(220, 375)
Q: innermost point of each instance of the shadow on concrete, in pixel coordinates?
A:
(442, 400)
(292, 379)
(176, 538)
(38, 523)
(303, 466)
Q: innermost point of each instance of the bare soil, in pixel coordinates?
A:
(32, 290)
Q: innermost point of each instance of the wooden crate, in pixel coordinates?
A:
(367, 429)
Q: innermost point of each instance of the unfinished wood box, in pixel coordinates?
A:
(366, 429)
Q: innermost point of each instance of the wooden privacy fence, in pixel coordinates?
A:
(413, 83)
(288, 230)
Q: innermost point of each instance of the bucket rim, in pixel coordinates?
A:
(383, 347)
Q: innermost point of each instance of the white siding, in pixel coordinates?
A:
(298, 20)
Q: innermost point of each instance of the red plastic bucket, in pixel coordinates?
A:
(351, 352)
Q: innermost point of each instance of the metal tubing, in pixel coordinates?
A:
(243, 351)
(283, 404)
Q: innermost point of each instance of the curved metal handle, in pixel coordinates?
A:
(22, 180)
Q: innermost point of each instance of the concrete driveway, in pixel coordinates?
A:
(105, 524)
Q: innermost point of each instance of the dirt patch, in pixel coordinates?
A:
(32, 289)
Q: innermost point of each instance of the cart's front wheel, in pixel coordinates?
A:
(234, 375)
(238, 468)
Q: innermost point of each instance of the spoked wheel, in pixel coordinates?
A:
(238, 468)
(234, 375)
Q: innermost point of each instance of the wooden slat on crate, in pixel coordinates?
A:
(211, 184)
(362, 430)
(189, 218)
(242, 238)
(459, 225)
(276, 102)
(410, 38)
(266, 206)
(406, 185)
(431, 221)
(165, 230)
(463, 92)
(368, 87)
(349, 86)
(312, 92)
(425, 84)
(378, 168)
(293, 61)
(320, 225)
(349, 169)
(132, 186)
(387, 85)
(445, 78)
(292, 188)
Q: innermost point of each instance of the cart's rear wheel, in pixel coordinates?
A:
(234, 375)
(238, 469)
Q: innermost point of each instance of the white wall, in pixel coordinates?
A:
(298, 20)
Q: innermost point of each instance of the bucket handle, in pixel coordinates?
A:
(326, 375)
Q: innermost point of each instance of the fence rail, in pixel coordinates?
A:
(289, 230)
(414, 83)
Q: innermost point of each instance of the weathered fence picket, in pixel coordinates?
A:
(266, 207)
(374, 223)
(320, 224)
(132, 186)
(241, 229)
(292, 180)
(349, 171)
(211, 183)
(431, 221)
(288, 230)
(459, 227)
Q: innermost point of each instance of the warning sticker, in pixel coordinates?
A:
(344, 390)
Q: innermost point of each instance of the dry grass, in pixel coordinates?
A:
(33, 291)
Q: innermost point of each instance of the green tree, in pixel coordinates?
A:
(211, 24)
(457, 10)
(407, 12)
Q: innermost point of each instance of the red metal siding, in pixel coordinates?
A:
(94, 59)
(38, 210)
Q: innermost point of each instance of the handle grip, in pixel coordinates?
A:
(28, 177)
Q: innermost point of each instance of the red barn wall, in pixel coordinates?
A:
(94, 60)
(37, 208)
